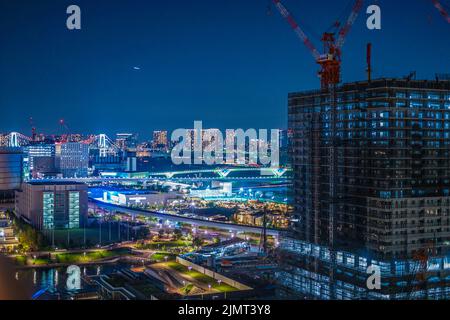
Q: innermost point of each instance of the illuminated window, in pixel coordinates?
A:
(48, 210)
(74, 209)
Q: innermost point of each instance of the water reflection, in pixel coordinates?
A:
(56, 283)
(11, 286)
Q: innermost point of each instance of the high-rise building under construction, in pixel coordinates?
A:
(391, 198)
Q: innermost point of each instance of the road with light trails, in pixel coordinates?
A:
(183, 219)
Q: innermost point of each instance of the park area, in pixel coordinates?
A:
(71, 257)
(91, 256)
(194, 278)
(164, 245)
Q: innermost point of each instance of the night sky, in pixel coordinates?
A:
(226, 62)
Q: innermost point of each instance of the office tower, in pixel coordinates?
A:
(160, 140)
(283, 134)
(74, 159)
(210, 138)
(4, 140)
(392, 187)
(35, 151)
(230, 146)
(131, 162)
(126, 141)
(202, 140)
(10, 173)
(44, 167)
(53, 205)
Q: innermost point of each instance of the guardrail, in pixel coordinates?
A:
(213, 274)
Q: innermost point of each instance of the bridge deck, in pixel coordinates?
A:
(182, 219)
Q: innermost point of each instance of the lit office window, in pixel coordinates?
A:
(48, 210)
(74, 209)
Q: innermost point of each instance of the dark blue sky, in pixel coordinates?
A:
(225, 62)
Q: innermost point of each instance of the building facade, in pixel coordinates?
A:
(160, 140)
(389, 204)
(11, 172)
(36, 151)
(48, 206)
(74, 159)
(126, 141)
(135, 198)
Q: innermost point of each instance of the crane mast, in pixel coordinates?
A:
(295, 26)
(330, 76)
(441, 10)
(330, 59)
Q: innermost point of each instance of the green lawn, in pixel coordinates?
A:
(222, 287)
(160, 256)
(38, 261)
(154, 245)
(187, 288)
(21, 260)
(24, 260)
(89, 256)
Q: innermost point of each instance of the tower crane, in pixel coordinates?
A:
(441, 10)
(331, 58)
(330, 76)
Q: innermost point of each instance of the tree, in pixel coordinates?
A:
(177, 234)
(197, 242)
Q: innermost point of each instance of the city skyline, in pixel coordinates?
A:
(229, 150)
(140, 67)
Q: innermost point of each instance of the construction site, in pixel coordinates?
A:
(371, 163)
(358, 208)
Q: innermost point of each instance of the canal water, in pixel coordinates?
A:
(61, 282)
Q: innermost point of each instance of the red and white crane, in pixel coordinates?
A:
(330, 60)
(441, 10)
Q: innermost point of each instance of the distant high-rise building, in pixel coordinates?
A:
(144, 150)
(11, 172)
(209, 139)
(35, 151)
(391, 200)
(44, 167)
(53, 205)
(4, 140)
(160, 140)
(230, 145)
(126, 141)
(283, 139)
(131, 163)
(73, 159)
